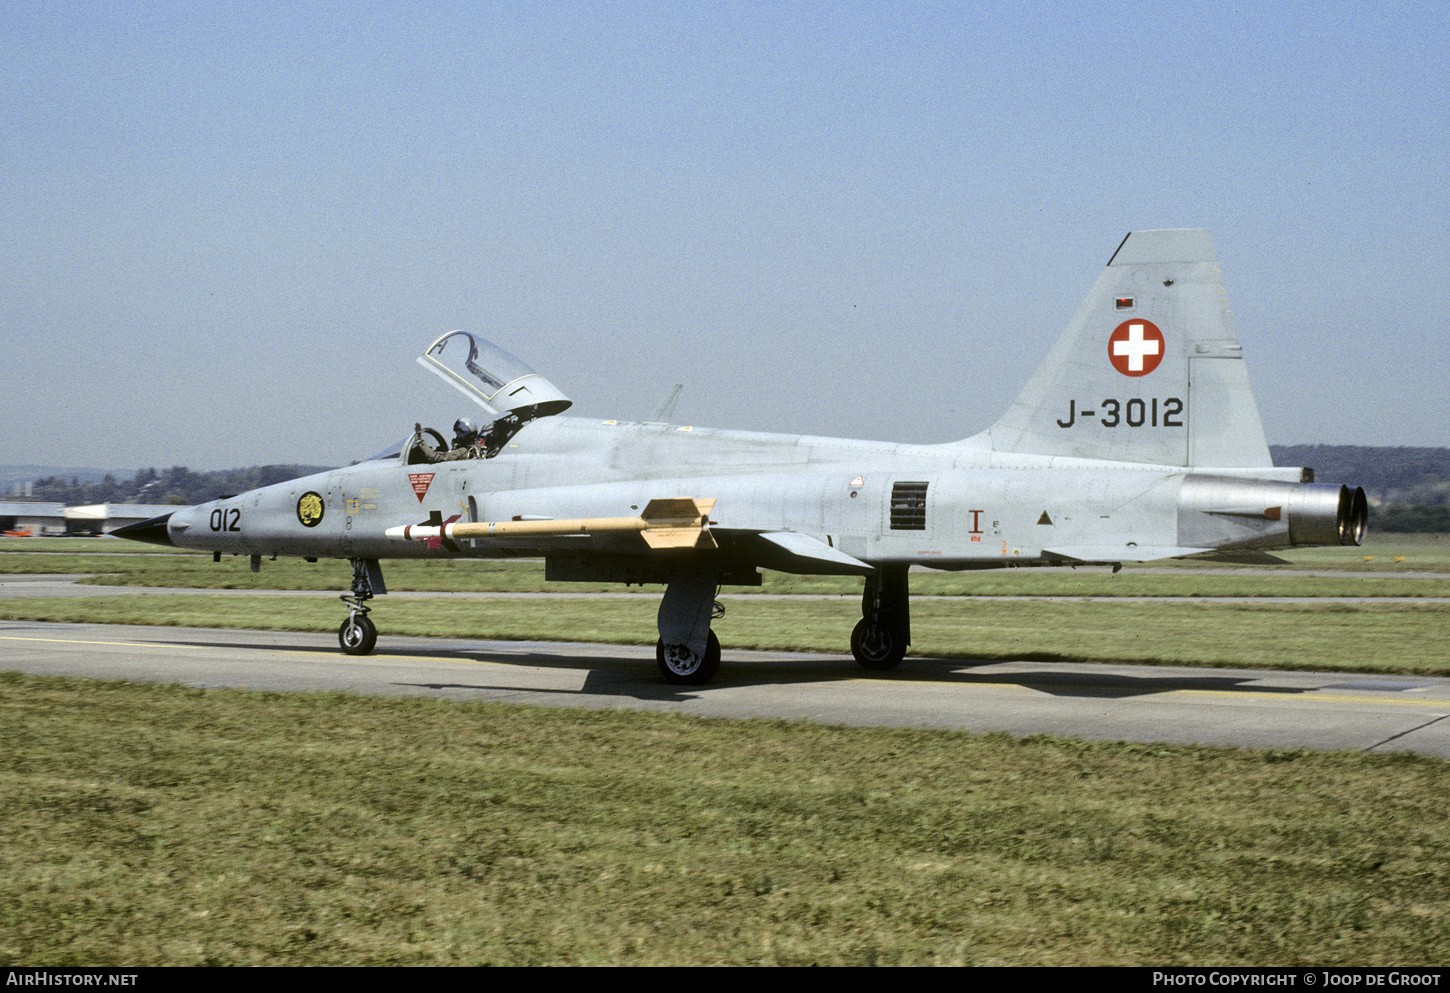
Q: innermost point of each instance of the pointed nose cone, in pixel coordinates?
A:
(152, 531)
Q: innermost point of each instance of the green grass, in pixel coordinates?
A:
(84, 546)
(172, 826)
(1380, 551)
(1348, 575)
(1368, 637)
(161, 825)
(1363, 636)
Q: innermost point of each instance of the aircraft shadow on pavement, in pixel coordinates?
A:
(1080, 683)
(620, 675)
(634, 675)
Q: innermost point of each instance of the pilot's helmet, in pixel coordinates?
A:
(465, 432)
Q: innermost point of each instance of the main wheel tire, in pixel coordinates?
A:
(358, 635)
(878, 646)
(683, 667)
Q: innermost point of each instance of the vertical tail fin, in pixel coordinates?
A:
(1149, 369)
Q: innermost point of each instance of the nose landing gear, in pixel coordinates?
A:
(358, 635)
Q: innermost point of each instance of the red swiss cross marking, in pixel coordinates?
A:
(1136, 347)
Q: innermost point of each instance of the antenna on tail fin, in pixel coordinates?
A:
(1148, 370)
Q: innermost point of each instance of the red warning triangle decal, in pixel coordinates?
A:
(421, 482)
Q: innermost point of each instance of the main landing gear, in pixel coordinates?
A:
(688, 653)
(681, 665)
(358, 635)
(881, 636)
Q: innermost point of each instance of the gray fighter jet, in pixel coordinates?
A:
(1137, 439)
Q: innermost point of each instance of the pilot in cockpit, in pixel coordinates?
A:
(465, 443)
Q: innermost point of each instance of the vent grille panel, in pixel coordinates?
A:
(908, 506)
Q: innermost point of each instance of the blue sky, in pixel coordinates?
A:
(230, 228)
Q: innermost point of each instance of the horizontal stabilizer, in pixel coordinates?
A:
(1242, 556)
(1152, 553)
(1121, 553)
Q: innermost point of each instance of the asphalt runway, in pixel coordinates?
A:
(1239, 707)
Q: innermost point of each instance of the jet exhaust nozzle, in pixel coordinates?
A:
(1225, 512)
(1328, 515)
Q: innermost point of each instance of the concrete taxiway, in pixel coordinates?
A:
(1237, 707)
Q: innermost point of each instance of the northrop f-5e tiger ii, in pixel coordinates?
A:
(1137, 439)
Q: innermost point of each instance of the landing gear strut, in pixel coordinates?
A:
(688, 653)
(881, 636)
(358, 635)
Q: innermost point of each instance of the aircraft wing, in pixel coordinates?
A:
(812, 554)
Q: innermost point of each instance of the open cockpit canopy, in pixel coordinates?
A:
(492, 378)
(511, 393)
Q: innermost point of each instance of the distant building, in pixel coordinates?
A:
(55, 519)
(35, 518)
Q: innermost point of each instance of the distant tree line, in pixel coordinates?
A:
(1388, 475)
(177, 485)
(1408, 488)
(1402, 518)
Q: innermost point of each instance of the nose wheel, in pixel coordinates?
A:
(358, 635)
